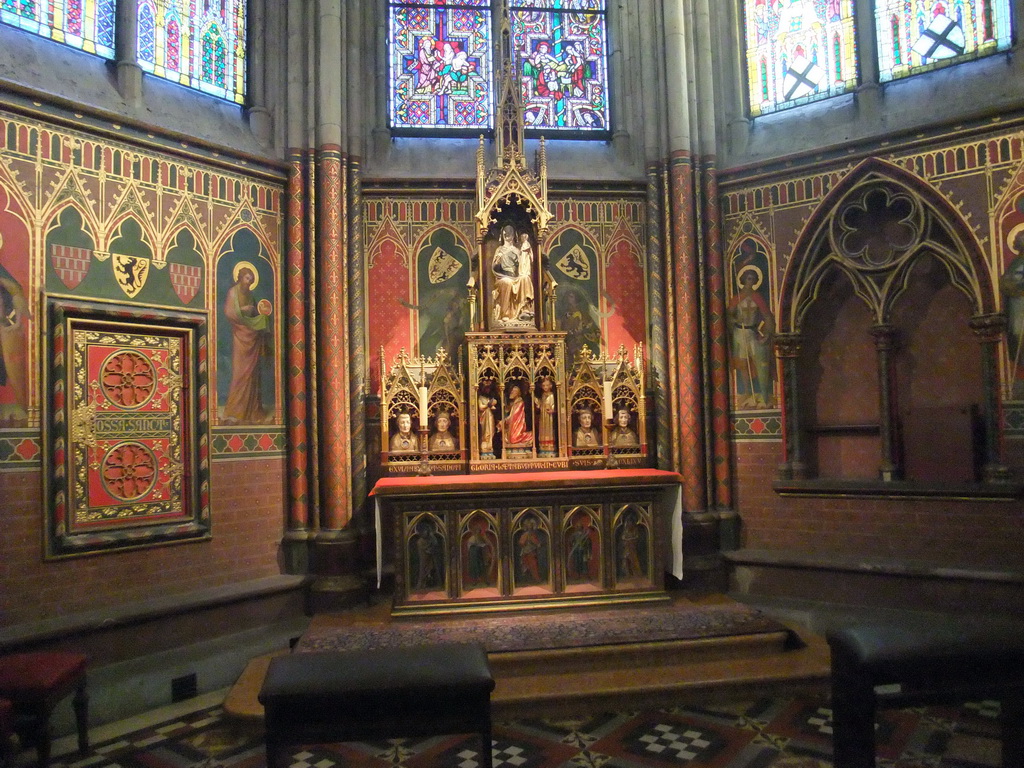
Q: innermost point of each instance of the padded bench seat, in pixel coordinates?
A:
(320, 698)
(923, 661)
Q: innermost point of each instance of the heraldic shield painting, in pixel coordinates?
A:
(128, 441)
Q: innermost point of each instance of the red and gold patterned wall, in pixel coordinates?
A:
(129, 221)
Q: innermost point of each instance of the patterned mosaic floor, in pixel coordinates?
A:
(777, 733)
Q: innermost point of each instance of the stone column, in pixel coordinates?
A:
(659, 378)
(684, 259)
(332, 305)
(794, 466)
(990, 330)
(126, 41)
(256, 96)
(885, 343)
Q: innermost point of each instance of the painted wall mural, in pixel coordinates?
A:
(90, 216)
(980, 174)
(419, 259)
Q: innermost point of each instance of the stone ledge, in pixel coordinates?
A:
(871, 565)
(121, 616)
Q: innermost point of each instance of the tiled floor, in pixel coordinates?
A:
(764, 733)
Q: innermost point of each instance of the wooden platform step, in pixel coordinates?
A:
(710, 674)
(568, 682)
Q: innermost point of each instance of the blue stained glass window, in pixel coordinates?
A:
(560, 52)
(798, 51)
(440, 65)
(84, 24)
(919, 35)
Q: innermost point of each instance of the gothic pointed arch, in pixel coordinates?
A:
(887, 281)
(873, 226)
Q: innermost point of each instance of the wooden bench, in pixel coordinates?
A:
(321, 698)
(924, 661)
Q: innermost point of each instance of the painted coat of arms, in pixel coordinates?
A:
(128, 448)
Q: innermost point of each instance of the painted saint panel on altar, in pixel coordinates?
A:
(531, 536)
(582, 542)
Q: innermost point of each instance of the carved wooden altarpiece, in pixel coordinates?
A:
(541, 527)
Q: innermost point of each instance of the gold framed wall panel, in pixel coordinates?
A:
(127, 449)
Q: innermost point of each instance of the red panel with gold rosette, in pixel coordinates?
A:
(129, 442)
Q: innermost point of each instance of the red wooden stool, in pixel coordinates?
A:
(35, 683)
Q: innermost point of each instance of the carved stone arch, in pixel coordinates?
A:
(914, 220)
(893, 236)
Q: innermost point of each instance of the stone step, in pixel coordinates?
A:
(654, 684)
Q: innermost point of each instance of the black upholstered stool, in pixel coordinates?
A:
(319, 698)
(918, 662)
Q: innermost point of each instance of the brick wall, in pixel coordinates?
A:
(954, 532)
(248, 514)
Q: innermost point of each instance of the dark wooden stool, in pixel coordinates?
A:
(923, 662)
(35, 683)
(320, 698)
(6, 731)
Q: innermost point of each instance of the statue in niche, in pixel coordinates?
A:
(622, 434)
(515, 430)
(487, 404)
(442, 439)
(546, 405)
(403, 441)
(512, 267)
(586, 435)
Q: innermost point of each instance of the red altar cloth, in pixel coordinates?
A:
(522, 480)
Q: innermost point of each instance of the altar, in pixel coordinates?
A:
(517, 462)
(487, 542)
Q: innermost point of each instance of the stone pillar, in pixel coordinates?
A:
(659, 377)
(869, 92)
(794, 466)
(259, 116)
(990, 330)
(885, 343)
(126, 41)
(685, 272)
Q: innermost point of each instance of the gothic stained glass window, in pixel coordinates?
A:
(196, 43)
(919, 35)
(560, 54)
(798, 51)
(440, 65)
(84, 24)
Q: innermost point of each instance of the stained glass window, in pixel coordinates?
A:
(84, 24)
(919, 35)
(798, 51)
(196, 43)
(440, 65)
(561, 57)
